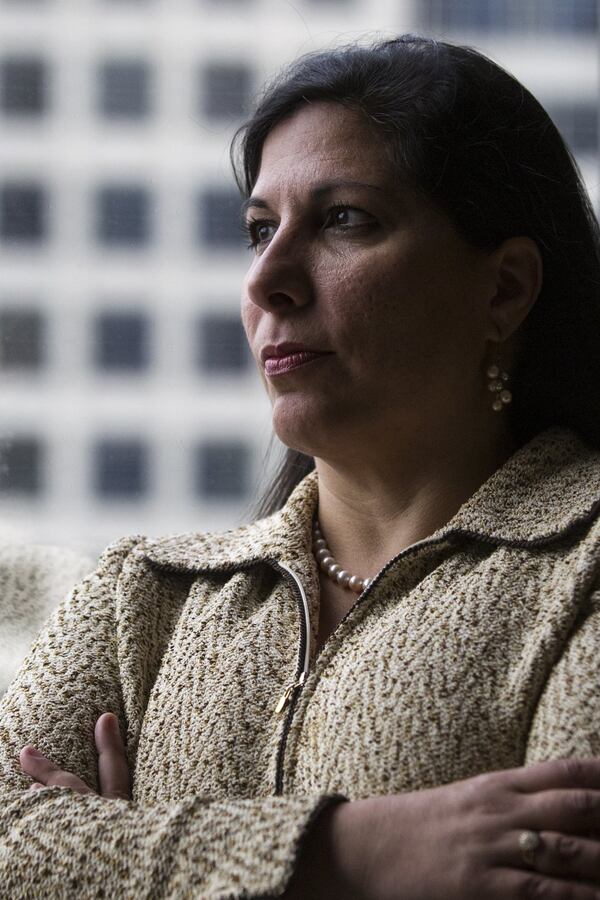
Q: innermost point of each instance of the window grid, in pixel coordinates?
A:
(22, 339)
(225, 90)
(23, 86)
(23, 213)
(222, 347)
(123, 216)
(510, 15)
(222, 470)
(121, 469)
(22, 466)
(121, 341)
(219, 225)
(124, 89)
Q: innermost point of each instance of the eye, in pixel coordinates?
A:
(344, 216)
(257, 231)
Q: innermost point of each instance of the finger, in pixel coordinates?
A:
(35, 786)
(556, 773)
(35, 763)
(558, 855)
(113, 770)
(567, 855)
(48, 773)
(521, 883)
(575, 812)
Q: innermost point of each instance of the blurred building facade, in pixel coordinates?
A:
(128, 399)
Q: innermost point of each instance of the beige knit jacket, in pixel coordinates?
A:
(477, 648)
(33, 579)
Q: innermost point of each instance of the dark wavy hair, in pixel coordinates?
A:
(479, 146)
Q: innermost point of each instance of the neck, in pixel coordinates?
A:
(370, 512)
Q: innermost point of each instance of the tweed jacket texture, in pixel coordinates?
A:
(475, 649)
(33, 579)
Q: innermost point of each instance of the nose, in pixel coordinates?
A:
(279, 277)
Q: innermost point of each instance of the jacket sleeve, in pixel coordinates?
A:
(566, 721)
(33, 579)
(56, 843)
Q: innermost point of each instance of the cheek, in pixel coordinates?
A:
(369, 307)
(249, 316)
(390, 317)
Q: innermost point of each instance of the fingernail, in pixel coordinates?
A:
(112, 723)
(33, 752)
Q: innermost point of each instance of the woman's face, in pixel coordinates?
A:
(349, 261)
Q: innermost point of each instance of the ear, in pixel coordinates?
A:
(517, 270)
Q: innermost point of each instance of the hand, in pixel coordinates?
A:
(461, 841)
(113, 771)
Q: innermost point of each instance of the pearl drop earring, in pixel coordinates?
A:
(497, 383)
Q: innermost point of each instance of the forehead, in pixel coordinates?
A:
(322, 141)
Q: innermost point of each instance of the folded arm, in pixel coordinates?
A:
(567, 717)
(58, 842)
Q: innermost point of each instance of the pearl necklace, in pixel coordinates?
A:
(328, 564)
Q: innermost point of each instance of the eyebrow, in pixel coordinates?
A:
(326, 188)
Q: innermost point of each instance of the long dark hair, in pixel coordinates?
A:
(478, 145)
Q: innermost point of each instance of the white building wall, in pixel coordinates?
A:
(68, 402)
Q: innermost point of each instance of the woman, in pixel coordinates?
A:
(422, 306)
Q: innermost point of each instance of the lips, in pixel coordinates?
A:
(279, 358)
(277, 365)
(286, 348)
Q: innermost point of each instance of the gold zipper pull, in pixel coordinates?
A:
(285, 697)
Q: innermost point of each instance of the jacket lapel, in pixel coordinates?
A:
(547, 489)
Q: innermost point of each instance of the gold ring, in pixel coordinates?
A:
(529, 842)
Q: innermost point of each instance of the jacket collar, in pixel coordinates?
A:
(545, 490)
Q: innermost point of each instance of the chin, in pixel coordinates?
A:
(299, 427)
(318, 428)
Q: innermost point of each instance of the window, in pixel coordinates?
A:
(124, 89)
(23, 209)
(222, 344)
(123, 216)
(574, 15)
(21, 460)
(530, 15)
(225, 90)
(222, 470)
(22, 339)
(219, 218)
(458, 14)
(578, 124)
(120, 469)
(121, 341)
(23, 86)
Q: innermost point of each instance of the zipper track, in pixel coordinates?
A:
(301, 669)
(426, 542)
(304, 648)
(303, 665)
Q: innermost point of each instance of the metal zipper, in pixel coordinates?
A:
(426, 542)
(290, 695)
(304, 643)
